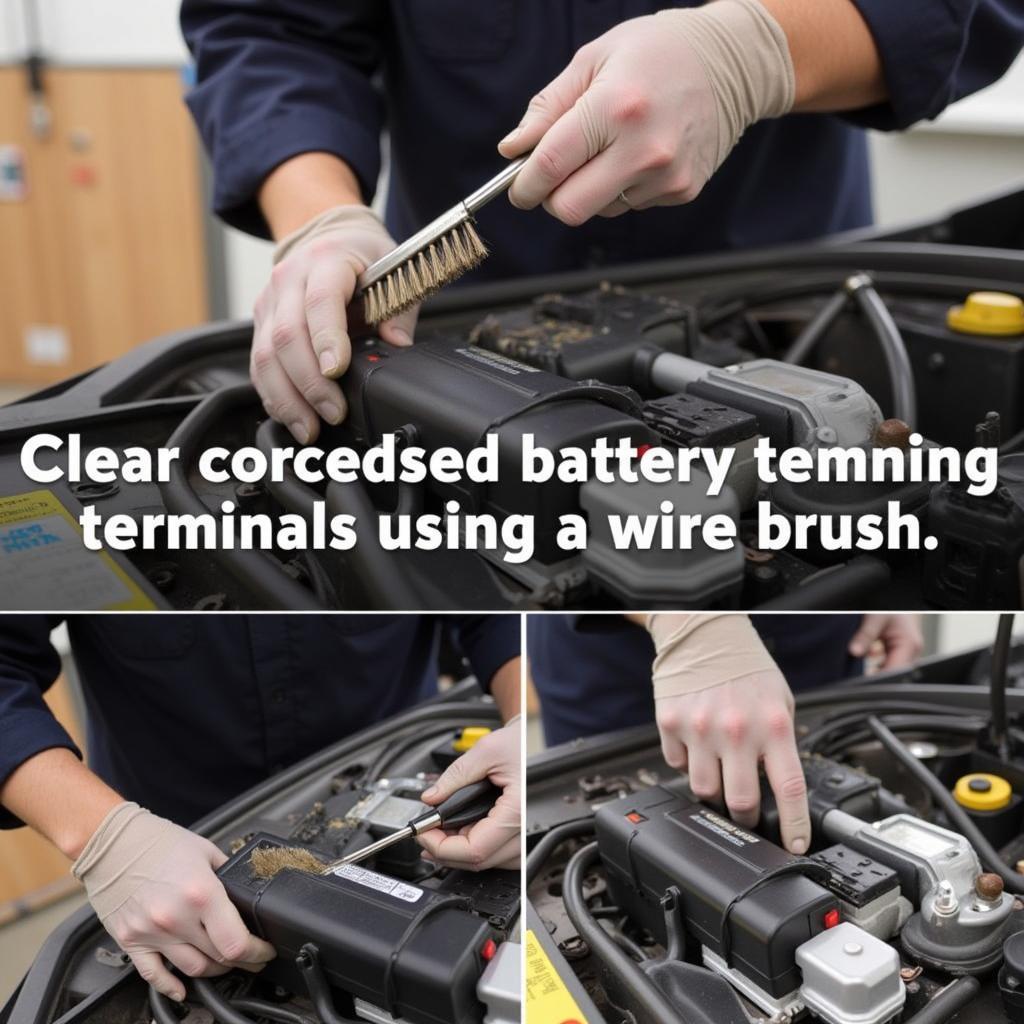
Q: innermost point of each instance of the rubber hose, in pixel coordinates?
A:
(951, 1000)
(257, 570)
(163, 1011)
(845, 586)
(997, 682)
(217, 1004)
(816, 329)
(897, 361)
(651, 1003)
(1013, 882)
(538, 856)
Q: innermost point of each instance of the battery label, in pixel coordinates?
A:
(723, 828)
(548, 1000)
(497, 362)
(45, 565)
(372, 880)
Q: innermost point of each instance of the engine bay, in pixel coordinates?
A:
(646, 905)
(908, 348)
(392, 939)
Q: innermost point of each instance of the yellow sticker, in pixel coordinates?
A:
(548, 1000)
(45, 565)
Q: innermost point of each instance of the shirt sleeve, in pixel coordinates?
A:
(278, 78)
(488, 642)
(29, 666)
(935, 52)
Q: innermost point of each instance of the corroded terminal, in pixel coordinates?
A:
(266, 862)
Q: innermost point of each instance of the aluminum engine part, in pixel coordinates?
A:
(500, 988)
(851, 977)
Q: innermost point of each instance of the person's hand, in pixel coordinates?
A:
(646, 113)
(153, 887)
(721, 735)
(300, 328)
(492, 842)
(894, 640)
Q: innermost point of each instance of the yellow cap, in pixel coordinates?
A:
(469, 737)
(981, 792)
(996, 314)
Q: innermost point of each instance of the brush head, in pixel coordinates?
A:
(440, 262)
(266, 862)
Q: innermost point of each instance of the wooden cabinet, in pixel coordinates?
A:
(106, 249)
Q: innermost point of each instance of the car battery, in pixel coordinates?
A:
(749, 902)
(591, 335)
(414, 953)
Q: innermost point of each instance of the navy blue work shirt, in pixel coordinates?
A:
(449, 78)
(593, 674)
(187, 711)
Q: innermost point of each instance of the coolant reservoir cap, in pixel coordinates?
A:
(981, 792)
(996, 314)
(469, 737)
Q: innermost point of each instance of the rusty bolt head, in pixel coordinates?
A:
(988, 886)
(893, 434)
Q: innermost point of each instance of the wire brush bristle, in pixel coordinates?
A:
(445, 260)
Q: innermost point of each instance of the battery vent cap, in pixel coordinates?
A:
(850, 977)
(982, 792)
(996, 314)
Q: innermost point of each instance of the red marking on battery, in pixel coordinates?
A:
(831, 919)
(643, 449)
(487, 950)
(636, 817)
(373, 359)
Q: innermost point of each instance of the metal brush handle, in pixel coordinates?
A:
(448, 221)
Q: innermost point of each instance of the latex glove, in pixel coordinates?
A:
(301, 339)
(894, 640)
(650, 109)
(722, 708)
(153, 887)
(492, 842)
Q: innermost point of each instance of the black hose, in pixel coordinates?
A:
(997, 683)
(539, 855)
(217, 1004)
(271, 1011)
(897, 361)
(385, 578)
(257, 570)
(651, 1003)
(989, 857)
(950, 1001)
(290, 491)
(816, 329)
(163, 1009)
(835, 589)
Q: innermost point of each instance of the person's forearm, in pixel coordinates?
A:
(506, 688)
(306, 185)
(835, 59)
(59, 797)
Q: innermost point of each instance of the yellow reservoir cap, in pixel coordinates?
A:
(469, 738)
(995, 314)
(981, 792)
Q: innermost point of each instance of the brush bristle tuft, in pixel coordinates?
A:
(443, 261)
(266, 862)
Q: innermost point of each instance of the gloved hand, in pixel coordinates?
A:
(153, 887)
(492, 842)
(650, 110)
(300, 338)
(895, 640)
(723, 707)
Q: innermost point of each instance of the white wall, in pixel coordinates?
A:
(975, 146)
(959, 631)
(97, 31)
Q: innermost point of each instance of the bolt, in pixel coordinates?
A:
(945, 899)
(910, 973)
(989, 886)
(892, 434)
